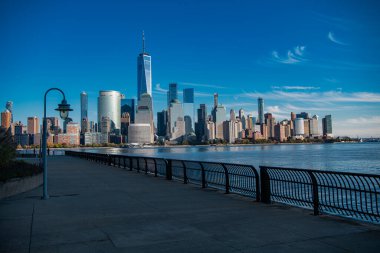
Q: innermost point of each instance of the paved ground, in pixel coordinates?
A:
(96, 208)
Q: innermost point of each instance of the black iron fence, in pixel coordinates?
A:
(352, 195)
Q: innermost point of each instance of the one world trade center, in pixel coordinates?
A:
(144, 72)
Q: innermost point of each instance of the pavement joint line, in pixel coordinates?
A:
(31, 229)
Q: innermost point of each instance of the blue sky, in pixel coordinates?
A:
(316, 56)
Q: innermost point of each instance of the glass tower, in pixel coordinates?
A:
(144, 73)
(260, 113)
(188, 109)
(172, 93)
(128, 105)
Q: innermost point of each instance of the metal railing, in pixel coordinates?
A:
(231, 178)
(352, 195)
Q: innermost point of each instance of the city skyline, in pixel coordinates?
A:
(292, 74)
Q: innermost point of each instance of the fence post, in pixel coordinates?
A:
(265, 185)
(184, 173)
(155, 167)
(130, 163)
(138, 164)
(109, 160)
(227, 177)
(146, 166)
(315, 193)
(124, 162)
(169, 170)
(203, 176)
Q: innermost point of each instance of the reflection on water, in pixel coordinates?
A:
(358, 157)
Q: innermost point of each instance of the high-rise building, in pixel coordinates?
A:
(303, 115)
(299, 129)
(279, 132)
(306, 127)
(71, 136)
(200, 126)
(162, 123)
(84, 112)
(9, 107)
(176, 124)
(219, 118)
(270, 122)
(314, 131)
(125, 121)
(144, 72)
(6, 119)
(109, 106)
(65, 122)
(33, 125)
(144, 113)
(216, 100)
(188, 109)
(172, 93)
(128, 106)
(327, 126)
(260, 113)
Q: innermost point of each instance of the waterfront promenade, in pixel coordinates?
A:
(98, 208)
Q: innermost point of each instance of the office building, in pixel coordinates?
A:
(306, 127)
(125, 121)
(303, 115)
(128, 106)
(71, 136)
(279, 132)
(33, 125)
(200, 126)
(162, 123)
(299, 129)
(188, 109)
(314, 131)
(65, 122)
(9, 107)
(172, 93)
(327, 126)
(176, 124)
(270, 122)
(219, 118)
(144, 113)
(6, 119)
(260, 112)
(216, 102)
(144, 72)
(139, 133)
(84, 112)
(210, 130)
(109, 107)
(229, 131)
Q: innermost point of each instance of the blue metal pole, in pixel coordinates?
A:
(44, 159)
(44, 144)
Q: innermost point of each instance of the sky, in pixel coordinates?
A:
(321, 57)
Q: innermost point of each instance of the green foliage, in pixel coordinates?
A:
(7, 147)
(15, 169)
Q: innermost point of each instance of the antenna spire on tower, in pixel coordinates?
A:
(143, 42)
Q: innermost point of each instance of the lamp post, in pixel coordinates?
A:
(63, 109)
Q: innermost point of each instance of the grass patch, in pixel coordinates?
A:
(14, 169)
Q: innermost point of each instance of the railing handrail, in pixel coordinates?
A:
(334, 192)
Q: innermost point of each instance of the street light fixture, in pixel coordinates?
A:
(63, 109)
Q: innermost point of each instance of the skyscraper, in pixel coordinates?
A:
(33, 125)
(109, 106)
(172, 93)
(144, 114)
(144, 72)
(128, 106)
(84, 112)
(188, 109)
(9, 107)
(162, 122)
(216, 100)
(220, 117)
(260, 112)
(176, 124)
(201, 125)
(327, 126)
(6, 119)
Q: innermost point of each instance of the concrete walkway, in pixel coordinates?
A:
(96, 208)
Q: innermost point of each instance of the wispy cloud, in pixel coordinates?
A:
(327, 96)
(363, 120)
(202, 85)
(159, 89)
(331, 36)
(299, 87)
(293, 56)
